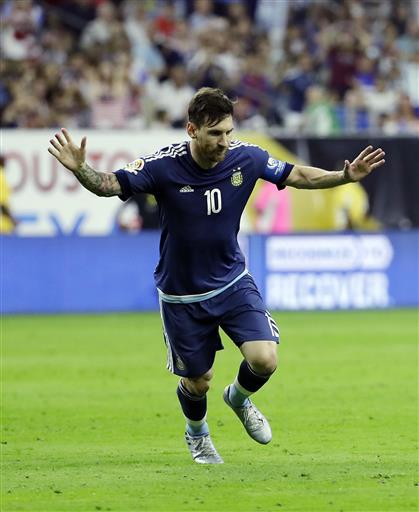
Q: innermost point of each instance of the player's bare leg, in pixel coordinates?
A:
(255, 370)
(193, 400)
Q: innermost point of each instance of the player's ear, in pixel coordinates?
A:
(191, 129)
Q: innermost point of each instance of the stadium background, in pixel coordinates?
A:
(315, 82)
(123, 72)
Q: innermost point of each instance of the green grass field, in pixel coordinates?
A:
(91, 421)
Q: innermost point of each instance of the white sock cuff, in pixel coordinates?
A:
(196, 423)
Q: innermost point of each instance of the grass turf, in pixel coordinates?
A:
(91, 421)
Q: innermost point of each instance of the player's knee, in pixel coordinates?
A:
(265, 363)
(199, 385)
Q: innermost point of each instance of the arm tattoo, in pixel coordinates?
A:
(100, 183)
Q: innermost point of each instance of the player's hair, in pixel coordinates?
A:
(209, 106)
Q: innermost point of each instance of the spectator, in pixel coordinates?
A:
(20, 24)
(408, 42)
(52, 50)
(365, 72)
(173, 96)
(272, 18)
(297, 79)
(255, 85)
(380, 99)
(410, 79)
(99, 31)
(403, 121)
(57, 43)
(183, 41)
(202, 15)
(319, 113)
(215, 64)
(136, 23)
(353, 113)
(75, 15)
(109, 96)
(342, 57)
(294, 43)
(164, 24)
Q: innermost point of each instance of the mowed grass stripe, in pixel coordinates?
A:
(90, 418)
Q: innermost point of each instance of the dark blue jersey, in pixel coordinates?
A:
(200, 211)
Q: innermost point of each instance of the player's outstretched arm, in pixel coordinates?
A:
(368, 160)
(74, 158)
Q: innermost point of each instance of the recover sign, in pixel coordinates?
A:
(340, 271)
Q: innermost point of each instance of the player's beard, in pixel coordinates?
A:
(221, 154)
(214, 155)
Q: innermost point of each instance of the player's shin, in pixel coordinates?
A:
(245, 384)
(194, 409)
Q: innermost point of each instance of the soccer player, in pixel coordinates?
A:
(201, 187)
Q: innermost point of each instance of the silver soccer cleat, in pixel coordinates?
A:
(202, 449)
(253, 420)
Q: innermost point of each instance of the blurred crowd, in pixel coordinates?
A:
(320, 67)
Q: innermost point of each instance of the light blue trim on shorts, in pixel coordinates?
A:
(188, 299)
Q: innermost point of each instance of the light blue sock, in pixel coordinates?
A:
(197, 428)
(238, 397)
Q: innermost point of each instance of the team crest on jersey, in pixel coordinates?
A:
(135, 166)
(237, 178)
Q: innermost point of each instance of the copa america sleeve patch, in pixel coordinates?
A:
(134, 166)
(276, 171)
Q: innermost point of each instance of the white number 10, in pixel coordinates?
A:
(213, 201)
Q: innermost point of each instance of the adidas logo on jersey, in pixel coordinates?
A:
(186, 188)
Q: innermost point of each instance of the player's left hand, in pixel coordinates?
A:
(368, 160)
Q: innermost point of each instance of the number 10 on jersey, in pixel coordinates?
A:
(214, 203)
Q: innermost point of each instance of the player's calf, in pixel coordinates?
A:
(192, 397)
(247, 382)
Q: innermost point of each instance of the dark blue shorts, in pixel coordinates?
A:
(191, 331)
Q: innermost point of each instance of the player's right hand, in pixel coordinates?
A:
(66, 152)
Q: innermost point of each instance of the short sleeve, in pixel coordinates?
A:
(276, 172)
(137, 176)
(269, 168)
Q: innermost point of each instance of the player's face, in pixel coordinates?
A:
(213, 141)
